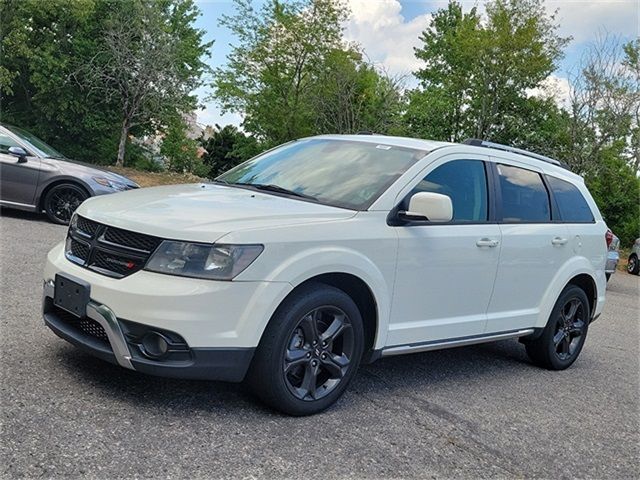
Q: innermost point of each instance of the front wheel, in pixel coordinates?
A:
(62, 200)
(633, 266)
(565, 333)
(309, 352)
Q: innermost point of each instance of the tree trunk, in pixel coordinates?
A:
(123, 143)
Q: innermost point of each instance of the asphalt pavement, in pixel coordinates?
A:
(472, 412)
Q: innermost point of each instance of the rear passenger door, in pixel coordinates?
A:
(534, 246)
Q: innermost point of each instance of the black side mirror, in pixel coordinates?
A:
(19, 152)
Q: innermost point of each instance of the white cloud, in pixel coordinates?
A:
(584, 19)
(385, 34)
(554, 87)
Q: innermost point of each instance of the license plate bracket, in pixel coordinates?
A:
(71, 294)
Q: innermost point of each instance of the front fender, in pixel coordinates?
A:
(312, 262)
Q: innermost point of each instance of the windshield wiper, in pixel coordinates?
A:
(276, 188)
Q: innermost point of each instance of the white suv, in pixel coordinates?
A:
(296, 266)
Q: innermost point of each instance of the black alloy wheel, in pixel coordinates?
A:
(309, 352)
(62, 201)
(318, 353)
(562, 339)
(570, 326)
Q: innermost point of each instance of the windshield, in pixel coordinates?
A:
(342, 173)
(35, 144)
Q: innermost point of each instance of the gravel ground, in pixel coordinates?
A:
(473, 412)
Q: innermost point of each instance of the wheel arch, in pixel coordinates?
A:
(578, 271)
(360, 293)
(46, 188)
(588, 284)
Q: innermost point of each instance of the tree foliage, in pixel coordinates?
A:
(476, 74)
(148, 63)
(76, 71)
(225, 148)
(291, 75)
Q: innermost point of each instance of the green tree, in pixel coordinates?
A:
(225, 148)
(180, 151)
(615, 187)
(351, 96)
(41, 44)
(477, 75)
(50, 48)
(281, 49)
(148, 63)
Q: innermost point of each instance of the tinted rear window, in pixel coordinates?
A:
(572, 205)
(524, 196)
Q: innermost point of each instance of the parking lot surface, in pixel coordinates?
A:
(480, 411)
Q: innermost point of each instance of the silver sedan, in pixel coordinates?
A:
(36, 177)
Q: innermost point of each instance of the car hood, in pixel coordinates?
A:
(79, 169)
(203, 212)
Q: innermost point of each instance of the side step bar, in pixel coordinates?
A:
(456, 342)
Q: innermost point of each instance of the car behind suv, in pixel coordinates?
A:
(36, 177)
(296, 266)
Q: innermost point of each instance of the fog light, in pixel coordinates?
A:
(154, 345)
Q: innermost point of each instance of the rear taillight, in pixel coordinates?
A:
(608, 237)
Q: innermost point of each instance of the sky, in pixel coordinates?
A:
(388, 30)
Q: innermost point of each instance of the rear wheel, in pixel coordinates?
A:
(309, 352)
(633, 266)
(565, 333)
(62, 200)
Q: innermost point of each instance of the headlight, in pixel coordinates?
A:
(198, 260)
(105, 182)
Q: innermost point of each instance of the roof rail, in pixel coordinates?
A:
(506, 148)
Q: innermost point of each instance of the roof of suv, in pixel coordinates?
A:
(487, 149)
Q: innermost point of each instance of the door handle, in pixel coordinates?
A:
(487, 242)
(559, 241)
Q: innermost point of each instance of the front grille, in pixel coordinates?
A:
(108, 250)
(86, 226)
(85, 325)
(131, 239)
(79, 250)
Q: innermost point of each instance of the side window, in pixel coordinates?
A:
(572, 205)
(524, 196)
(6, 142)
(465, 182)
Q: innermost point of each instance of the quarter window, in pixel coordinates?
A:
(465, 182)
(572, 205)
(524, 196)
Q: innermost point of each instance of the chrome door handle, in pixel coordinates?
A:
(487, 242)
(559, 241)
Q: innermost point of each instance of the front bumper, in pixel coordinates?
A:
(226, 364)
(216, 324)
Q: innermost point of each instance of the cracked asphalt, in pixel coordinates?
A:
(472, 412)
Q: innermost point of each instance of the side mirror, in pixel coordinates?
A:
(19, 152)
(434, 207)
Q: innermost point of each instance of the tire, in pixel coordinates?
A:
(62, 200)
(608, 276)
(633, 265)
(565, 333)
(290, 372)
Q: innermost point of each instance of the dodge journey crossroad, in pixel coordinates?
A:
(291, 269)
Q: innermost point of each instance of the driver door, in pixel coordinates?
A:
(18, 179)
(446, 271)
